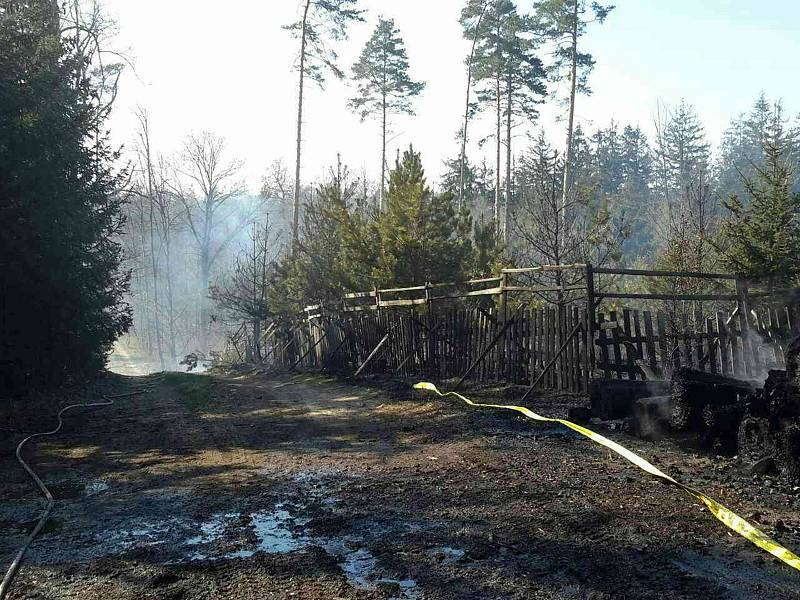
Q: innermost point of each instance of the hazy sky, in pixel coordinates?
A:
(226, 67)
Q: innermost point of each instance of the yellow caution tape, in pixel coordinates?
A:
(728, 517)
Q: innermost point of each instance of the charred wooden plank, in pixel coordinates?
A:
(614, 398)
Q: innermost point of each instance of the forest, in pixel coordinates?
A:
(186, 253)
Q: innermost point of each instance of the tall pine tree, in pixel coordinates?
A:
(384, 84)
(423, 236)
(321, 22)
(565, 22)
(508, 75)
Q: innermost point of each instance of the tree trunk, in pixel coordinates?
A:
(296, 198)
(151, 218)
(571, 119)
(463, 165)
(170, 304)
(509, 106)
(154, 266)
(499, 120)
(205, 276)
(382, 201)
(203, 313)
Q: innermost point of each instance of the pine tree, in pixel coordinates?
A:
(332, 255)
(509, 76)
(472, 183)
(588, 233)
(608, 160)
(471, 19)
(384, 84)
(423, 236)
(761, 238)
(61, 292)
(683, 153)
(565, 22)
(322, 21)
(635, 194)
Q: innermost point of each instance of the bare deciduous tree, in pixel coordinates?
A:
(243, 296)
(208, 187)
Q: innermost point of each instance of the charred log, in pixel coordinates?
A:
(693, 390)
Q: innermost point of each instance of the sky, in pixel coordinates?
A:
(226, 67)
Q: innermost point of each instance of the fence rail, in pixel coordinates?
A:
(497, 334)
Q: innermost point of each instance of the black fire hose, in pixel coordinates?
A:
(15, 564)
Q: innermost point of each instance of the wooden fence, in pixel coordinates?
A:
(448, 331)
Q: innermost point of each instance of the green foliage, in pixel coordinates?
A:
(334, 241)
(560, 20)
(327, 20)
(761, 238)
(478, 182)
(614, 167)
(743, 143)
(585, 230)
(420, 237)
(682, 151)
(382, 74)
(60, 288)
(505, 61)
(489, 249)
(423, 237)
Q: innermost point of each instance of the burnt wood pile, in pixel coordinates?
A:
(769, 433)
(759, 421)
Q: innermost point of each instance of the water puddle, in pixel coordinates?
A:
(278, 530)
(144, 534)
(95, 487)
(361, 568)
(272, 532)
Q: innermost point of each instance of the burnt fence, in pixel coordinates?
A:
(543, 336)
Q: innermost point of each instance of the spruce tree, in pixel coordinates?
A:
(330, 259)
(761, 236)
(743, 143)
(683, 153)
(384, 84)
(61, 292)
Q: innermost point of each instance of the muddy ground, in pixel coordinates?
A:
(302, 487)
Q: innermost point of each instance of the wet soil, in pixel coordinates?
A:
(257, 486)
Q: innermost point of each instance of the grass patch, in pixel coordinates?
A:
(196, 391)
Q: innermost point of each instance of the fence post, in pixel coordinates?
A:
(430, 333)
(591, 321)
(502, 313)
(750, 352)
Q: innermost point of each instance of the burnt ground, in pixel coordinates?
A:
(305, 487)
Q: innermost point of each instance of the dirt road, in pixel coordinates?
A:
(303, 487)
